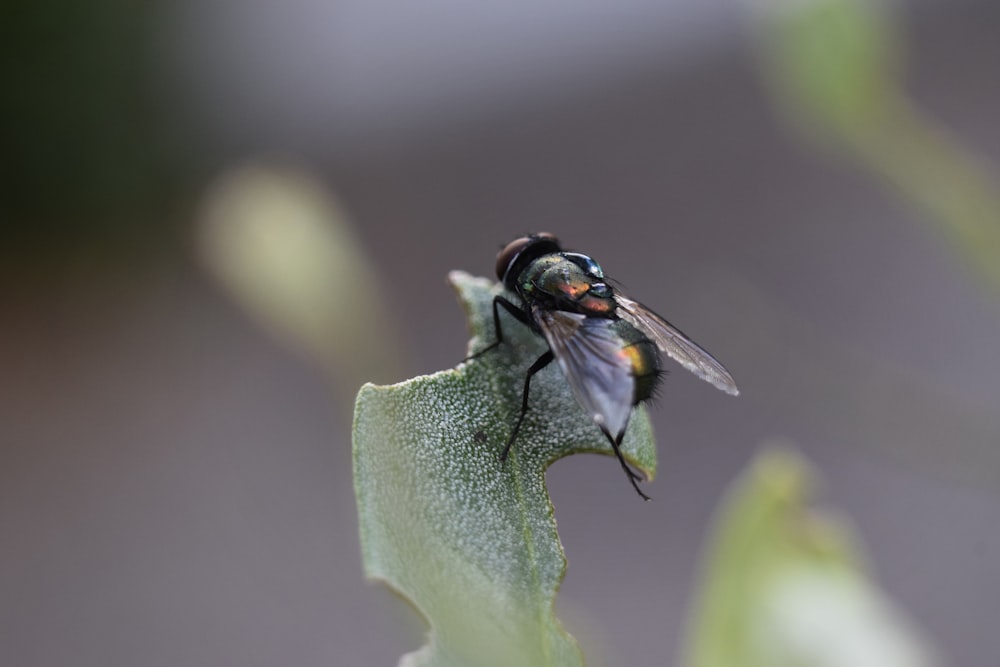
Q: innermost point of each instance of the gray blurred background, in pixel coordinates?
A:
(175, 484)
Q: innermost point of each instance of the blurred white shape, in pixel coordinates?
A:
(786, 585)
(277, 240)
(828, 617)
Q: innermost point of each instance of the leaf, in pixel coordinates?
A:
(833, 63)
(785, 584)
(471, 541)
(835, 68)
(277, 240)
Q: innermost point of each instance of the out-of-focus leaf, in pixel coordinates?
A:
(834, 67)
(471, 541)
(785, 585)
(278, 241)
(833, 63)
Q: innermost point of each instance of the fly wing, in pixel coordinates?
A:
(676, 345)
(590, 355)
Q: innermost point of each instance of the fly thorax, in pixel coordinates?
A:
(556, 277)
(566, 284)
(598, 301)
(586, 264)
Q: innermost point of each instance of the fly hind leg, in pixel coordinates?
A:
(633, 476)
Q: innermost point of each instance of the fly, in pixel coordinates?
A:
(605, 343)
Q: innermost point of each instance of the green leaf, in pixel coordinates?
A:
(471, 541)
(280, 244)
(785, 584)
(833, 63)
(834, 67)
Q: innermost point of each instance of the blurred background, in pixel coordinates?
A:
(175, 478)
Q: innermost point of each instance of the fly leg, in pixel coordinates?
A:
(540, 363)
(518, 313)
(633, 476)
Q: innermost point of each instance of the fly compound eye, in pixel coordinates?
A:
(513, 250)
(506, 256)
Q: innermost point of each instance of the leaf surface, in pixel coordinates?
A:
(471, 541)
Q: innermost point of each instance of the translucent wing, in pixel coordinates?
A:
(676, 345)
(590, 355)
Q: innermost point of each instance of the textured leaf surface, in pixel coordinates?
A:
(472, 542)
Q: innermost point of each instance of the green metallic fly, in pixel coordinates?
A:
(605, 343)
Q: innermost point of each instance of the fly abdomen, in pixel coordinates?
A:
(643, 358)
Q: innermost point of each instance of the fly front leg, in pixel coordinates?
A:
(539, 364)
(511, 308)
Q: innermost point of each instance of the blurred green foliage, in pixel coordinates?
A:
(82, 129)
(835, 67)
(279, 243)
(785, 585)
